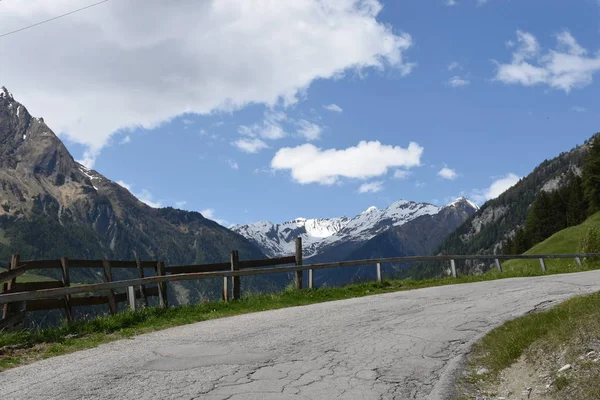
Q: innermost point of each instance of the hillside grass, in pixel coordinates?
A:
(563, 242)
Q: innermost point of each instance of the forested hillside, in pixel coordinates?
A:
(500, 219)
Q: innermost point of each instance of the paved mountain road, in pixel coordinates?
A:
(404, 345)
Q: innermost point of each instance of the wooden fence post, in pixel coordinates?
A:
(140, 271)
(225, 288)
(578, 261)
(498, 265)
(131, 297)
(379, 272)
(66, 280)
(17, 309)
(112, 304)
(453, 267)
(9, 285)
(162, 286)
(543, 265)
(235, 280)
(298, 275)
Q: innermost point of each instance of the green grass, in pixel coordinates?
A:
(505, 344)
(564, 332)
(563, 242)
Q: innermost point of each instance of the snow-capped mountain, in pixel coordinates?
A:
(277, 240)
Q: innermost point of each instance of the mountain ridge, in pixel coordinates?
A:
(277, 239)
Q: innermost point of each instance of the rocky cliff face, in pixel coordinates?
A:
(52, 206)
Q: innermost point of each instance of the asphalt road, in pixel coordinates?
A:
(405, 345)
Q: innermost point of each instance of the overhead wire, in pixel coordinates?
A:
(52, 19)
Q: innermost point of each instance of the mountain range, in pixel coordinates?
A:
(402, 229)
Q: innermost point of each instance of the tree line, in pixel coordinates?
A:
(566, 206)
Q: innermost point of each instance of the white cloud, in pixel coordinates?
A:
(401, 174)
(567, 67)
(457, 81)
(250, 145)
(270, 128)
(447, 173)
(310, 164)
(180, 204)
(125, 140)
(497, 187)
(309, 130)
(579, 109)
(451, 2)
(209, 213)
(233, 165)
(123, 66)
(371, 187)
(453, 65)
(334, 108)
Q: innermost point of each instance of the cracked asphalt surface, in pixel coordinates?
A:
(403, 345)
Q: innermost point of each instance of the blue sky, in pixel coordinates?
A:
(485, 91)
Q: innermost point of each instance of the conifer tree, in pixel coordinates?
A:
(591, 177)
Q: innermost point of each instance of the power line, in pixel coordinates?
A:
(52, 19)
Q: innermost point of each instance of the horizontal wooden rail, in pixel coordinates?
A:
(11, 274)
(267, 262)
(188, 269)
(52, 293)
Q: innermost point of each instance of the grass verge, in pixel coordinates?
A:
(544, 342)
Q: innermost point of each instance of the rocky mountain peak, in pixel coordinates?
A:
(5, 94)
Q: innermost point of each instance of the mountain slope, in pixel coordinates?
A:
(497, 219)
(52, 206)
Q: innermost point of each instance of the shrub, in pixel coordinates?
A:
(590, 242)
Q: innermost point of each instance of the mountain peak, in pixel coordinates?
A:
(4, 93)
(370, 210)
(463, 200)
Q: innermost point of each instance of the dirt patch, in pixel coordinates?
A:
(540, 374)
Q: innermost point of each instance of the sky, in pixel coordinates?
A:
(272, 110)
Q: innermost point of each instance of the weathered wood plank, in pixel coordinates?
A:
(79, 301)
(112, 304)
(40, 264)
(140, 270)
(30, 286)
(12, 273)
(162, 285)
(235, 284)
(298, 260)
(267, 262)
(189, 269)
(7, 308)
(66, 281)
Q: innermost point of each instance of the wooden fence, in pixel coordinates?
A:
(18, 298)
